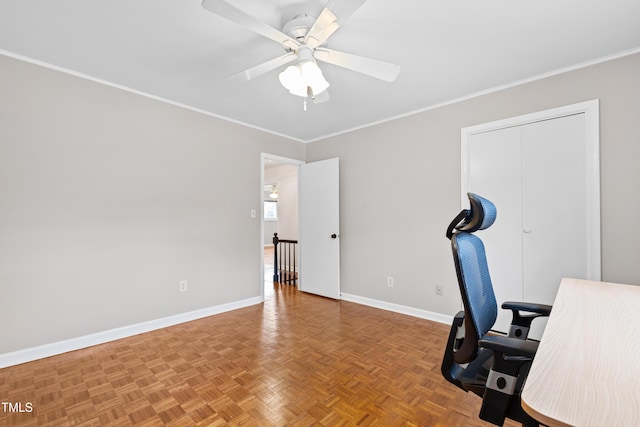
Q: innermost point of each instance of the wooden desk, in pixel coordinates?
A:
(587, 369)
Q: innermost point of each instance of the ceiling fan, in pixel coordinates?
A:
(303, 39)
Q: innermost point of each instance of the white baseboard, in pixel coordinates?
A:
(397, 308)
(47, 350)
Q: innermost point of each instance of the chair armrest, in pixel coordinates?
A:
(509, 346)
(520, 323)
(529, 307)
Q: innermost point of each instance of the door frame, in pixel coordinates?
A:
(264, 158)
(591, 110)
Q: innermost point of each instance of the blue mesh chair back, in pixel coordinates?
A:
(474, 279)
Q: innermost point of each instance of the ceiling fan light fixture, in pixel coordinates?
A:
(298, 78)
(291, 79)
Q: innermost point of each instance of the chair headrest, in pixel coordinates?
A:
(481, 215)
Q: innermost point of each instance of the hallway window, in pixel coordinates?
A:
(270, 210)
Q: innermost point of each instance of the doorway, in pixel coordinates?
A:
(315, 221)
(280, 195)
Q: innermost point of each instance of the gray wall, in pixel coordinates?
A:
(108, 199)
(400, 184)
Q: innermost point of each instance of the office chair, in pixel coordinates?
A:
(491, 365)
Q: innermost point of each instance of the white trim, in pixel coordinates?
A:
(494, 89)
(591, 110)
(53, 349)
(552, 113)
(575, 67)
(280, 159)
(141, 93)
(397, 308)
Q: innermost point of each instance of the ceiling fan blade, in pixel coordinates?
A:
(264, 68)
(321, 97)
(330, 19)
(371, 67)
(224, 9)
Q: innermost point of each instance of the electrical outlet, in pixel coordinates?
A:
(439, 289)
(183, 286)
(390, 283)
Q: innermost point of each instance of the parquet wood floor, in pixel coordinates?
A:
(297, 360)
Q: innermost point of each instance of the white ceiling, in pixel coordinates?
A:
(177, 51)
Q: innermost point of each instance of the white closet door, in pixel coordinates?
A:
(536, 176)
(554, 204)
(553, 208)
(495, 173)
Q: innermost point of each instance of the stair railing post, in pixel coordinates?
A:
(276, 269)
(295, 273)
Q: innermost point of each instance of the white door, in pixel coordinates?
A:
(495, 175)
(536, 174)
(320, 228)
(554, 205)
